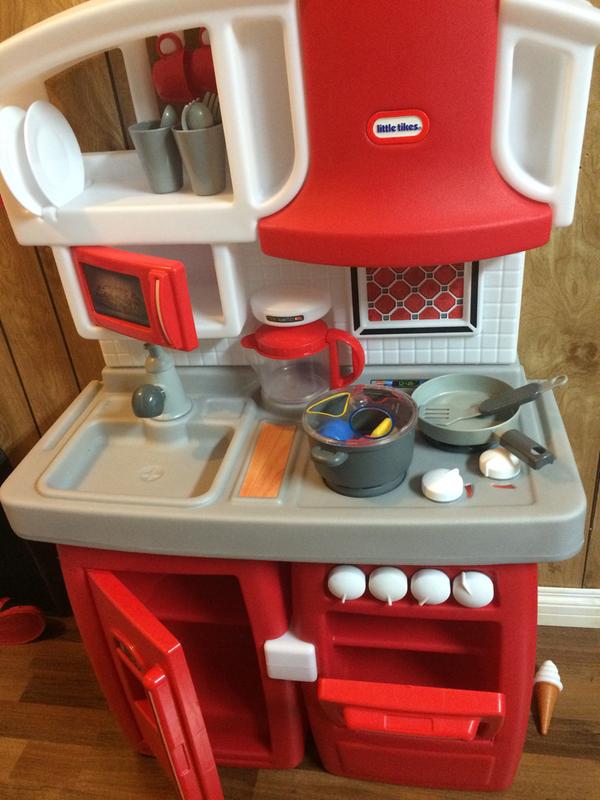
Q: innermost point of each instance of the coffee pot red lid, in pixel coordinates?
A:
(281, 343)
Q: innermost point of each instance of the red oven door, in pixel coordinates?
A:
(156, 680)
(138, 295)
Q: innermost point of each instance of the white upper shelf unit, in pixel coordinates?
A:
(256, 54)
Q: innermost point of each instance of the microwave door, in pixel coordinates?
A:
(138, 295)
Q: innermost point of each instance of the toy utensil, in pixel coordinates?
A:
(211, 100)
(384, 427)
(334, 405)
(169, 117)
(195, 116)
(502, 402)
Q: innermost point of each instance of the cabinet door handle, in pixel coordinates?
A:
(413, 710)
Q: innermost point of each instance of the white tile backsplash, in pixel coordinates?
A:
(493, 342)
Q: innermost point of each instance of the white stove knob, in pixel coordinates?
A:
(498, 464)
(430, 587)
(442, 485)
(347, 582)
(388, 584)
(473, 589)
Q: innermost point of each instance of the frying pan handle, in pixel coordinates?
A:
(520, 396)
(531, 452)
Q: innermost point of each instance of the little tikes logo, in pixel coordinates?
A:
(398, 127)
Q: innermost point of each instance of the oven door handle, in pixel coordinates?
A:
(413, 710)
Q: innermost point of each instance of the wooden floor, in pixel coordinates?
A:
(58, 741)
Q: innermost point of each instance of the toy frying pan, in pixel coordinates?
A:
(468, 392)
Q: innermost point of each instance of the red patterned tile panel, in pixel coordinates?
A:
(427, 293)
(445, 302)
(385, 304)
(414, 275)
(400, 313)
(429, 312)
(414, 303)
(429, 288)
(457, 288)
(384, 276)
(400, 290)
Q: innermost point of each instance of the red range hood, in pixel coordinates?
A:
(399, 100)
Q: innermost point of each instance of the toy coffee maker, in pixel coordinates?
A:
(294, 352)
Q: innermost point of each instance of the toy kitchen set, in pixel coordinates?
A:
(305, 492)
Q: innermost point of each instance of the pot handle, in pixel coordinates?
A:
(531, 452)
(327, 457)
(336, 379)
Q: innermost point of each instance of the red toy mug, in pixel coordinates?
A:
(182, 75)
(169, 73)
(201, 76)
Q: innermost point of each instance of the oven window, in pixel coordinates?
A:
(116, 295)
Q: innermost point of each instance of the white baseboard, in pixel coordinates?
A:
(576, 608)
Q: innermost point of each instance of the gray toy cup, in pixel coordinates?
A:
(158, 155)
(203, 153)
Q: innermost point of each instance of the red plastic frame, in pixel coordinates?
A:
(164, 289)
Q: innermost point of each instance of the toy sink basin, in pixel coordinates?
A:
(111, 456)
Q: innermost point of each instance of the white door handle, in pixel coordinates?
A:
(570, 28)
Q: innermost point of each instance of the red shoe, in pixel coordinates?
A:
(19, 624)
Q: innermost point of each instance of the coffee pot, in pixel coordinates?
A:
(294, 352)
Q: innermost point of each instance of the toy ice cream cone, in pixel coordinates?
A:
(546, 687)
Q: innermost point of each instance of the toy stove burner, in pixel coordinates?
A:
(457, 448)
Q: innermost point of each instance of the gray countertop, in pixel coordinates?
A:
(540, 519)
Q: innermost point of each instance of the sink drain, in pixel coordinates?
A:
(152, 472)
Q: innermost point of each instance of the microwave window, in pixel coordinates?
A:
(116, 295)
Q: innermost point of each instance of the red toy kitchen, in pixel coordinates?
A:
(311, 489)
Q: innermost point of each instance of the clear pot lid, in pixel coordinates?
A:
(360, 416)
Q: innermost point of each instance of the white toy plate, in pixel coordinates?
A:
(13, 161)
(53, 153)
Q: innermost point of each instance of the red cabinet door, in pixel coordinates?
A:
(153, 671)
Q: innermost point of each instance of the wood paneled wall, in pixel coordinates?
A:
(44, 363)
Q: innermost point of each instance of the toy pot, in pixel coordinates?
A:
(364, 465)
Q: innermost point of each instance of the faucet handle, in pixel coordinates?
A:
(148, 400)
